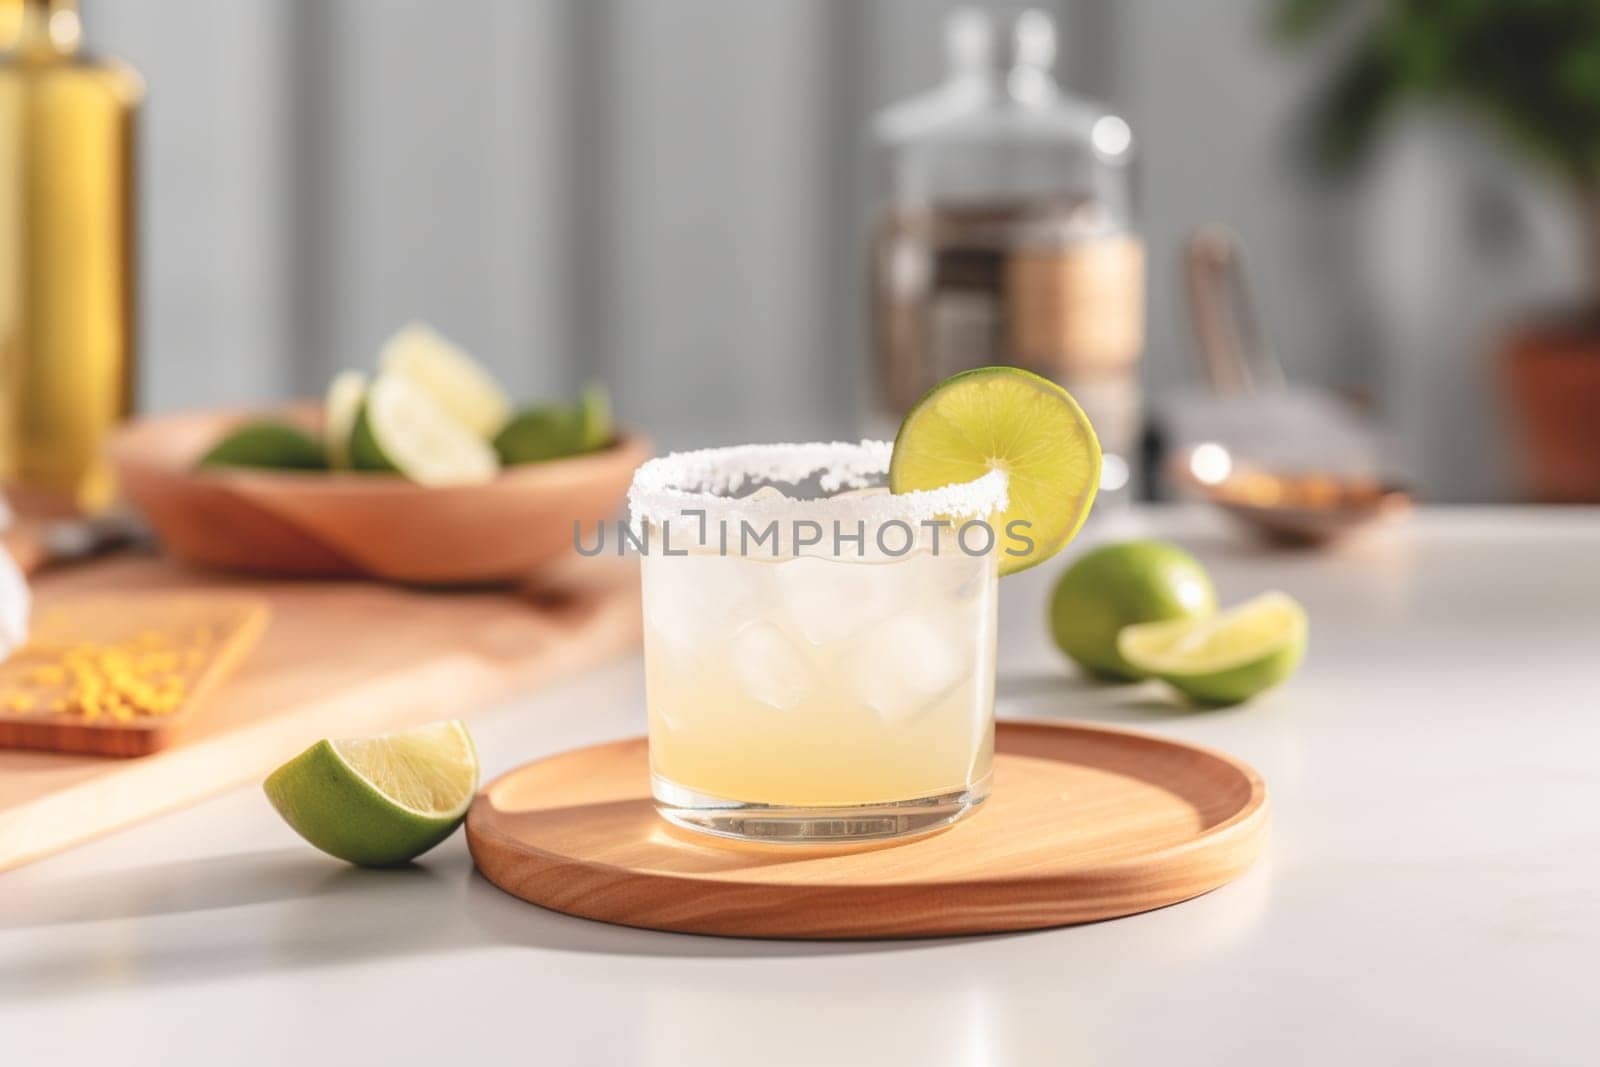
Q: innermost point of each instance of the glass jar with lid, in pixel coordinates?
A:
(1004, 234)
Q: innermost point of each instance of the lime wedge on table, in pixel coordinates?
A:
(1012, 419)
(539, 434)
(379, 801)
(272, 445)
(594, 417)
(457, 382)
(339, 411)
(400, 428)
(1226, 658)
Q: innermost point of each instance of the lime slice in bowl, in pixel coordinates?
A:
(401, 429)
(456, 381)
(595, 424)
(340, 409)
(1016, 421)
(379, 801)
(1227, 658)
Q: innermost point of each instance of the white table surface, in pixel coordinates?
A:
(1431, 890)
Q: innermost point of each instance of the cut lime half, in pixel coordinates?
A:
(1016, 421)
(379, 801)
(457, 382)
(1227, 658)
(400, 428)
(339, 411)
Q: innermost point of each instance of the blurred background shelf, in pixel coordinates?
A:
(672, 196)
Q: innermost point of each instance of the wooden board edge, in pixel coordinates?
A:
(392, 702)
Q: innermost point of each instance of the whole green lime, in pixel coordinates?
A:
(269, 445)
(538, 434)
(1118, 585)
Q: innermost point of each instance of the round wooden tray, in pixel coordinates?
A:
(1084, 823)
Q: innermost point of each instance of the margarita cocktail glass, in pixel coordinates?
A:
(819, 653)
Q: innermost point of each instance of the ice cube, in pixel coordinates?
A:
(770, 666)
(871, 490)
(694, 602)
(830, 600)
(766, 493)
(905, 665)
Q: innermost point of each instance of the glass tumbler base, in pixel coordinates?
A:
(780, 824)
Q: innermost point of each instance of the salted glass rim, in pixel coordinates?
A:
(666, 487)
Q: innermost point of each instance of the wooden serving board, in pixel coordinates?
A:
(336, 658)
(1084, 823)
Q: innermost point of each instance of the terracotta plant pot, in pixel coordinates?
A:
(1553, 370)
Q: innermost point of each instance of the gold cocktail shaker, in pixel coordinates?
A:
(67, 144)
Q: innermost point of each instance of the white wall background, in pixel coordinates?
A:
(669, 194)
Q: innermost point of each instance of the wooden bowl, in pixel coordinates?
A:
(353, 524)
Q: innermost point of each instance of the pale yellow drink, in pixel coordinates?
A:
(821, 682)
(817, 687)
